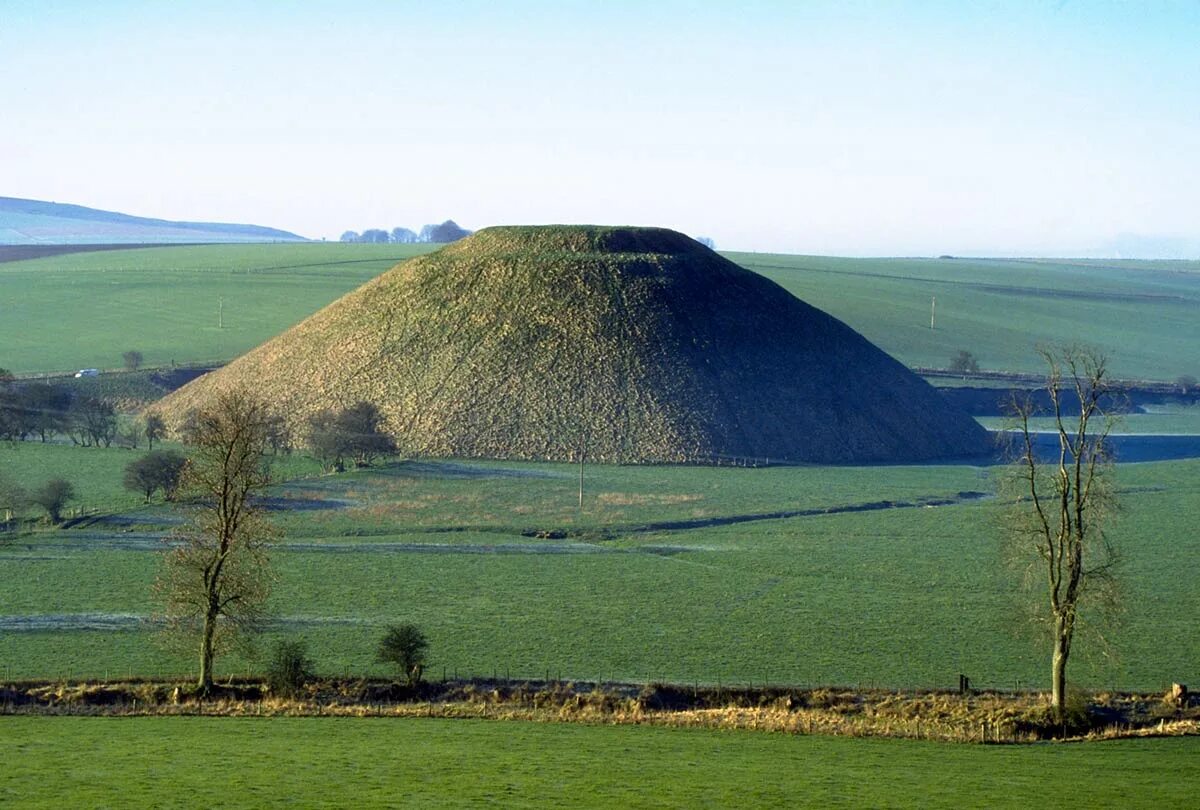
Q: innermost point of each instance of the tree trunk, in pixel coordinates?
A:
(206, 652)
(1058, 674)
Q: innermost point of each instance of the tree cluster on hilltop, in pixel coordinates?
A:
(448, 231)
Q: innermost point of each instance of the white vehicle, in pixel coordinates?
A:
(87, 372)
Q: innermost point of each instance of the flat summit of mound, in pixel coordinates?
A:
(627, 344)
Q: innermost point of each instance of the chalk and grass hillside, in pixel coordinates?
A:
(37, 222)
(621, 344)
(306, 762)
(888, 576)
(1143, 313)
(197, 304)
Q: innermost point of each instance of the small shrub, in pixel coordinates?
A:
(289, 668)
(404, 645)
(964, 363)
(53, 496)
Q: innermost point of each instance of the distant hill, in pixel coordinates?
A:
(35, 222)
(628, 344)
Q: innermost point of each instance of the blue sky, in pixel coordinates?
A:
(833, 128)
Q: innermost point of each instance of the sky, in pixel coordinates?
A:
(843, 128)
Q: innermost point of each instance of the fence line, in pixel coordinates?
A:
(503, 675)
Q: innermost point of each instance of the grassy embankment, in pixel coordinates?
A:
(332, 762)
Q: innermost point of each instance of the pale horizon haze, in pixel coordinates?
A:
(858, 129)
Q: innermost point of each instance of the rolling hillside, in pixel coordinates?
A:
(35, 222)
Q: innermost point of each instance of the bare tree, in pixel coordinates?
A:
(161, 469)
(354, 433)
(154, 429)
(133, 359)
(279, 435)
(93, 421)
(53, 496)
(129, 435)
(1064, 497)
(46, 408)
(964, 363)
(216, 579)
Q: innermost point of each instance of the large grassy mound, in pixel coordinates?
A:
(628, 344)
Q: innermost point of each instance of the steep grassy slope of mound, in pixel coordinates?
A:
(31, 222)
(629, 344)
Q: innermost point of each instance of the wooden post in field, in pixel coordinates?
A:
(581, 478)
(221, 313)
(932, 310)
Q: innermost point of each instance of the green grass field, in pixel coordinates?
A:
(84, 310)
(1141, 312)
(1162, 419)
(666, 574)
(326, 762)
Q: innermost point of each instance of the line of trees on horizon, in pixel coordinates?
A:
(448, 231)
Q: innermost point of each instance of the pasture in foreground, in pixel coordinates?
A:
(788, 575)
(327, 762)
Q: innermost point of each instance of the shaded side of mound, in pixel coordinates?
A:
(628, 344)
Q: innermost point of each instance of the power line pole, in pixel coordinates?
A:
(221, 313)
(932, 310)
